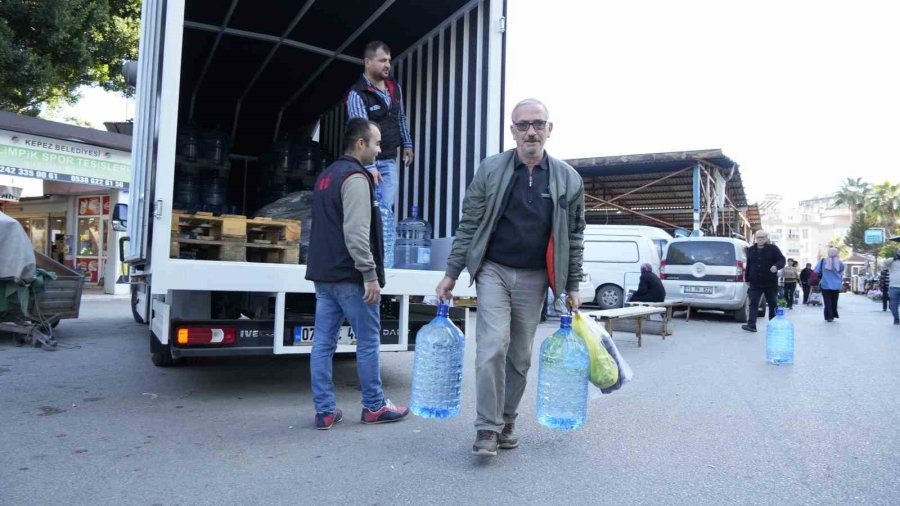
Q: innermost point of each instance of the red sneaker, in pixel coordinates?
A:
(325, 421)
(385, 414)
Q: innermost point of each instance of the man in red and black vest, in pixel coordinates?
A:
(345, 262)
(378, 98)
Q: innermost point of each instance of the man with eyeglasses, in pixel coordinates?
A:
(521, 230)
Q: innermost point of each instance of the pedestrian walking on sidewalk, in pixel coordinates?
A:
(790, 275)
(893, 266)
(884, 282)
(764, 260)
(521, 231)
(831, 278)
(804, 282)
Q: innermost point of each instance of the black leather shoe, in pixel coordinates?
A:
(748, 328)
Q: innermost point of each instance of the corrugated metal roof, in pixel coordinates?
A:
(651, 184)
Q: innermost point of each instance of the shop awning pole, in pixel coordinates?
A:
(696, 231)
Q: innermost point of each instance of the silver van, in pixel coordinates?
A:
(708, 272)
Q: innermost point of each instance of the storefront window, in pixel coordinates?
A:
(39, 235)
(36, 229)
(93, 227)
(88, 237)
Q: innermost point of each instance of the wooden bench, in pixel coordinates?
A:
(637, 312)
(670, 306)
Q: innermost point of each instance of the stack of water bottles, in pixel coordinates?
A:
(437, 368)
(387, 222)
(780, 339)
(563, 379)
(412, 249)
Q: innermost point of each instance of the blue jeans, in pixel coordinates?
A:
(334, 302)
(894, 294)
(388, 187)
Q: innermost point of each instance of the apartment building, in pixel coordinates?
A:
(804, 230)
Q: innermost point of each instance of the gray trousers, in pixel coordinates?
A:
(509, 310)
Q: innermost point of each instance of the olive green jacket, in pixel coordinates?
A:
(482, 211)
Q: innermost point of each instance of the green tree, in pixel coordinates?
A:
(50, 48)
(883, 205)
(889, 249)
(853, 194)
(855, 237)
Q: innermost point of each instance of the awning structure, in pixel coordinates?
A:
(666, 190)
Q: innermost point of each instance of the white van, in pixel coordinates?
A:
(659, 236)
(708, 272)
(614, 264)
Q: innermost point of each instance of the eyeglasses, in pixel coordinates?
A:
(539, 125)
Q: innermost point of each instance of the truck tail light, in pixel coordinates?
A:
(662, 269)
(205, 335)
(740, 272)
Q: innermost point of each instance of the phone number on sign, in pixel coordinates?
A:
(53, 176)
(39, 174)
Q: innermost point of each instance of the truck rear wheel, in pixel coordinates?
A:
(161, 354)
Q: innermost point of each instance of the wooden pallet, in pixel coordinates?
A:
(203, 249)
(204, 226)
(264, 230)
(234, 238)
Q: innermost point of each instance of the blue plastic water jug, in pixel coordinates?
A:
(437, 368)
(563, 379)
(413, 242)
(780, 339)
(387, 226)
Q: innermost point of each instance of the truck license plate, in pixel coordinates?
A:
(707, 290)
(303, 336)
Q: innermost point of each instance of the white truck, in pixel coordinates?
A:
(257, 70)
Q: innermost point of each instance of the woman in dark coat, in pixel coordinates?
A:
(650, 289)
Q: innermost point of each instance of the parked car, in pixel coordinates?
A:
(659, 236)
(709, 272)
(613, 262)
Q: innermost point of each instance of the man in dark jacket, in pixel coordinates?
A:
(885, 282)
(764, 260)
(650, 289)
(804, 282)
(346, 265)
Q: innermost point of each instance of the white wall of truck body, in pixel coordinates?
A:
(175, 281)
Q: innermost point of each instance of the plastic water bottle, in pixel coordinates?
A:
(437, 368)
(387, 226)
(413, 246)
(563, 379)
(780, 339)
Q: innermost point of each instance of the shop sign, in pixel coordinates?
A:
(10, 193)
(37, 157)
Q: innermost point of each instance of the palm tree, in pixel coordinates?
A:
(852, 194)
(883, 204)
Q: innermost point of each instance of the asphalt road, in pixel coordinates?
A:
(705, 421)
